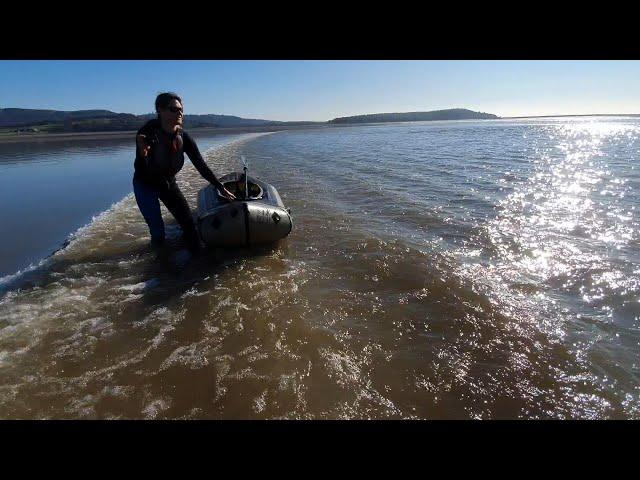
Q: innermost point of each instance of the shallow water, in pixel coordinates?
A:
(50, 189)
(435, 270)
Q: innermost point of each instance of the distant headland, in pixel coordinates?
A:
(449, 114)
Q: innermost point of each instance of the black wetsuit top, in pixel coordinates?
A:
(166, 157)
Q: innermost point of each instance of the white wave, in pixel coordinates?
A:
(7, 281)
(142, 286)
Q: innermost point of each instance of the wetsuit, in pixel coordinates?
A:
(154, 180)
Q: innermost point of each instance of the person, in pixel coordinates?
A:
(160, 147)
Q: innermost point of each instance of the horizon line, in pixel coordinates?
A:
(355, 115)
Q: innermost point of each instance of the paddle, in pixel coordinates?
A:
(246, 177)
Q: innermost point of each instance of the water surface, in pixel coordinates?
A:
(50, 189)
(435, 270)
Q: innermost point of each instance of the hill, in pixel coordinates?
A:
(56, 121)
(449, 114)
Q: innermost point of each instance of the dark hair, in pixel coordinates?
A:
(164, 99)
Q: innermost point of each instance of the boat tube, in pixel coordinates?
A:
(257, 218)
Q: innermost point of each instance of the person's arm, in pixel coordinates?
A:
(142, 151)
(191, 149)
(143, 146)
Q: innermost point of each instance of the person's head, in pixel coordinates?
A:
(169, 110)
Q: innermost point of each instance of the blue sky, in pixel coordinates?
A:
(322, 90)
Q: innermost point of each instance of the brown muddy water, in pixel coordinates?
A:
(436, 270)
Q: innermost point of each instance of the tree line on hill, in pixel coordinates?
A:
(56, 121)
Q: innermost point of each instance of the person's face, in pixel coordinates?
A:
(173, 115)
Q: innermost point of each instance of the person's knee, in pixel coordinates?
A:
(185, 219)
(156, 226)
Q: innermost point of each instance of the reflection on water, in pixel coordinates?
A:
(435, 270)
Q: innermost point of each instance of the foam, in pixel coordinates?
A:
(156, 407)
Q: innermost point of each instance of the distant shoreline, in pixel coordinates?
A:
(51, 137)
(581, 115)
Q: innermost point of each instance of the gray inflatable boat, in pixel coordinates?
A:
(257, 218)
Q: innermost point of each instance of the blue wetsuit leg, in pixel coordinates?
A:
(148, 203)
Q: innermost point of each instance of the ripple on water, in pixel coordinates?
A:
(459, 270)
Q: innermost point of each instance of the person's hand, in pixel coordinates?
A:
(226, 193)
(143, 147)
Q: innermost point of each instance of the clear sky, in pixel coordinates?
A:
(322, 90)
